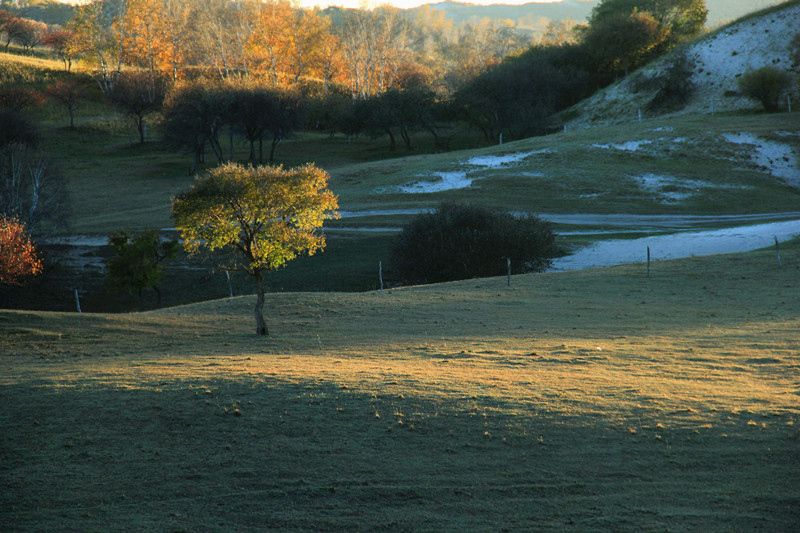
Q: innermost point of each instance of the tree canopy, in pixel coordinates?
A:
(461, 241)
(18, 257)
(261, 216)
(681, 19)
(137, 262)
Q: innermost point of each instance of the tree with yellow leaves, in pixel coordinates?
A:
(262, 216)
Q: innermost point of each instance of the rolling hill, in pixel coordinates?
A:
(718, 59)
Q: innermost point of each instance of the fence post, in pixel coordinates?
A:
(508, 264)
(230, 286)
(380, 273)
(648, 261)
(778, 251)
(78, 301)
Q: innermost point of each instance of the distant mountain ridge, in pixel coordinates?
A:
(532, 16)
(528, 15)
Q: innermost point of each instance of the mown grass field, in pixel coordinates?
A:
(599, 400)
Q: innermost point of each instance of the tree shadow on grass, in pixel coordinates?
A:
(261, 453)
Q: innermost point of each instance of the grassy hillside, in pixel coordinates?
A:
(115, 184)
(600, 400)
(677, 165)
(718, 59)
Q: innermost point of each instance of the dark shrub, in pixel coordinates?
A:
(674, 86)
(461, 242)
(767, 85)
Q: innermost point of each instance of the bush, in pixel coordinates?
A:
(674, 86)
(767, 85)
(461, 242)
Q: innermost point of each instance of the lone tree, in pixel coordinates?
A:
(262, 216)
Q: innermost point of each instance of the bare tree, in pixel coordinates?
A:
(374, 45)
(31, 189)
(69, 93)
(137, 94)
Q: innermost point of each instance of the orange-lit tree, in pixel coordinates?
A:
(155, 34)
(269, 40)
(18, 256)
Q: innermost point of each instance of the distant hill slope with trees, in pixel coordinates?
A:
(712, 66)
(535, 16)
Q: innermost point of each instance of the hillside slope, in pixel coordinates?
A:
(719, 60)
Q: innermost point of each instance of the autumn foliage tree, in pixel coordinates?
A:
(18, 256)
(63, 44)
(261, 216)
(623, 42)
(678, 19)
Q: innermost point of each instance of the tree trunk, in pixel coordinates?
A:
(276, 140)
(261, 326)
(392, 143)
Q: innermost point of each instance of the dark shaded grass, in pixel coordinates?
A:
(262, 453)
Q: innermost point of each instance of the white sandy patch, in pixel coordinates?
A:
(460, 179)
(497, 161)
(668, 188)
(447, 181)
(777, 158)
(630, 146)
(687, 244)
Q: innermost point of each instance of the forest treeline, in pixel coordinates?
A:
(259, 69)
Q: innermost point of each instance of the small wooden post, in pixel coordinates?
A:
(778, 251)
(78, 301)
(230, 286)
(648, 261)
(380, 273)
(640, 116)
(501, 137)
(508, 264)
